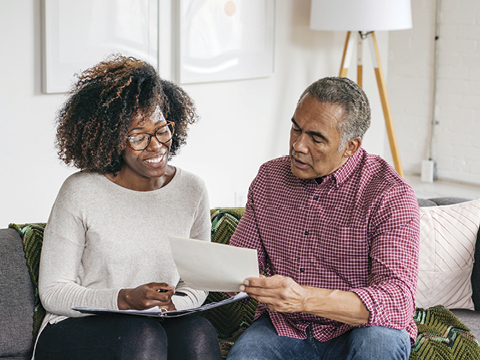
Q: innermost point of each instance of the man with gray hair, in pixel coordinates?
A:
(337, 235)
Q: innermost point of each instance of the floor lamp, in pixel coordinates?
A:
(364, 17)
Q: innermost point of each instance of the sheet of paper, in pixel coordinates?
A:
(208, 266)
(157, 312)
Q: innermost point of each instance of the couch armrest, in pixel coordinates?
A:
(16, 298)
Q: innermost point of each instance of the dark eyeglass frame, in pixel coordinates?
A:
(164, 143)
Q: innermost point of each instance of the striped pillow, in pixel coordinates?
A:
(447, 245)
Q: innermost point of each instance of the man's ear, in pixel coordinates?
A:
(352, 146)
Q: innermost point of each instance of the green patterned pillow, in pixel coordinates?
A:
(224, 223)
(32, 239)
(442, 336)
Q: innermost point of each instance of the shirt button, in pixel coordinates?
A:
(306, 232)
(315, 197)
(302, 270)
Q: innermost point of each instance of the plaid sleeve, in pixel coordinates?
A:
(394, 233)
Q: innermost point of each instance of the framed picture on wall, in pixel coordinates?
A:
(80, 34)
(225, 40)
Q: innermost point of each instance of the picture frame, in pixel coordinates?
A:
(225, 40)
(76, 35)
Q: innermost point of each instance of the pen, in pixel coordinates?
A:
(177, 293)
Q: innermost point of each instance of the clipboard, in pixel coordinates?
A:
(161, 313)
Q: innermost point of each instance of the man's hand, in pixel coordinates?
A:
(283, 294)
(279, 293)
(147, 296)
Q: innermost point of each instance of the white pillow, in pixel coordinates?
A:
(447, 245)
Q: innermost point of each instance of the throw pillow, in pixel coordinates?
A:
(442, 336)
(447, 245)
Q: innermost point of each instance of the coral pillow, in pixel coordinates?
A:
(447, 245)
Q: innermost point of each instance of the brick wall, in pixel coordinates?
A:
(456, 149)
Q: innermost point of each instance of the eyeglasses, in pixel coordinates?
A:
(141, 141)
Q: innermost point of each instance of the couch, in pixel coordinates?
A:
(443, 334)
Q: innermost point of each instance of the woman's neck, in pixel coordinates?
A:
(132, 181)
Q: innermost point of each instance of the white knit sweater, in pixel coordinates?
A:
(102, 237)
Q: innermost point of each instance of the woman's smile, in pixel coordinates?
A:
(156, 161)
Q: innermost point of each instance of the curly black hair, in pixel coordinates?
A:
(94, 121)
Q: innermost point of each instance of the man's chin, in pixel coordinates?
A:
(301, 173)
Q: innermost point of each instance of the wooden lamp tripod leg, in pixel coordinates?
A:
(347, 55)
(382, 89)
(360, 60)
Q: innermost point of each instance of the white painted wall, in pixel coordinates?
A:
(29, 170)
(243, 123)
(456, 149)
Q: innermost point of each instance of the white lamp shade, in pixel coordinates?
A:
(360, 15)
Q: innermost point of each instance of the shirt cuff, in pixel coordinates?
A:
(369, 302)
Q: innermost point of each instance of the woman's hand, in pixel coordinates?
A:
(147, 296)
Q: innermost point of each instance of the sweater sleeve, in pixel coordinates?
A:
(62, 250)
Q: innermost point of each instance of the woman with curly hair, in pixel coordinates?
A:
(106, 241)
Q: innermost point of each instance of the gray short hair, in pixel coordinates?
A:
(350, 96)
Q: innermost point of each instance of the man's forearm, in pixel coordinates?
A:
(342, 306)
(283, 294)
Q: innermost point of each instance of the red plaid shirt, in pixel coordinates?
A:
(356, 231)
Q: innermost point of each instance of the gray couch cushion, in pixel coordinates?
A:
(16, 298)
(426, 202)
(448, 200)
(440, 201)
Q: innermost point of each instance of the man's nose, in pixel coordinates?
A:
(300, 144)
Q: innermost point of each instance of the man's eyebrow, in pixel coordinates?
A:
(312, 133)
(320, 135)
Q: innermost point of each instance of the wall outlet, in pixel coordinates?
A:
(428, 168)
(240, 198)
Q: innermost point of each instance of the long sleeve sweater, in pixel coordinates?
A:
(101, 237)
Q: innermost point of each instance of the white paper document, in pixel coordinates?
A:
(157, 312)
(209, 266)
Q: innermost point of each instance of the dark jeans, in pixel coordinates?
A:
(125, 337)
